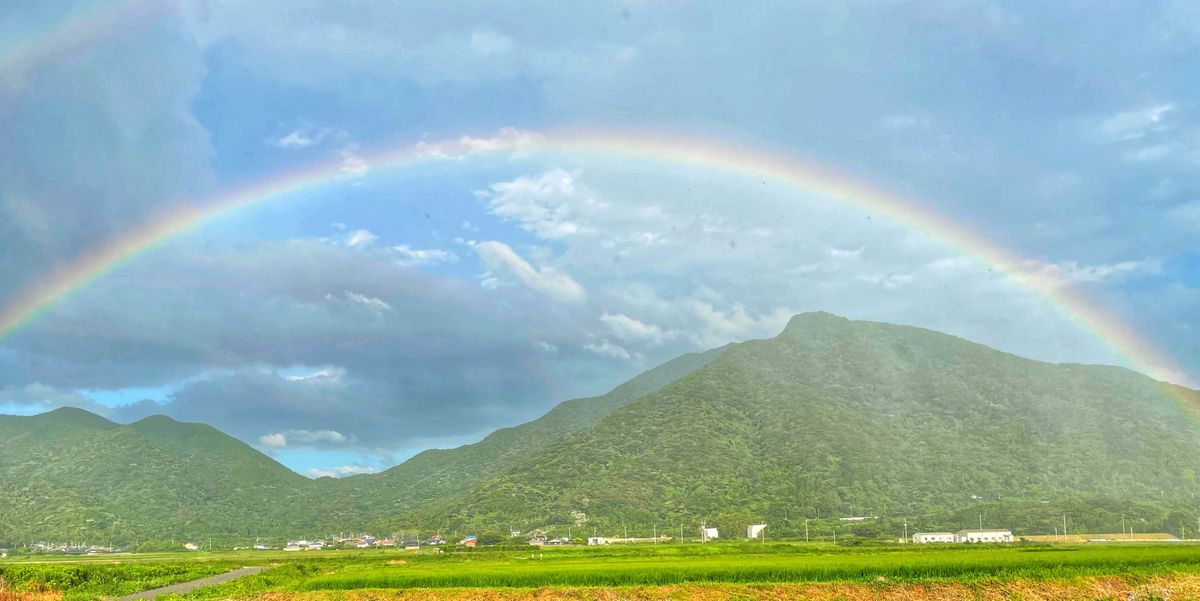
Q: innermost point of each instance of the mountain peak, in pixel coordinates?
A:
(813, 322)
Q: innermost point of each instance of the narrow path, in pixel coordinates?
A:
(187, 587)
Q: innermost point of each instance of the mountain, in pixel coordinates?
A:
(431, 477)
(68, 474)
(832, 415)
(855, 417)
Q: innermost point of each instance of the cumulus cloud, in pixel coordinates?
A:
(325, 374)
(542, 204)
(1074, 272)
(360, 239)
(609, 349)
(352, 164)
(735, 323)
(375, 305)
(338, 472)
(627, 328)
(1136, 123)
(502, 261)
(304, 438)
(406, 255)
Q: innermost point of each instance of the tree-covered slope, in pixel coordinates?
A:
(70, 474)
(432, 477)
(860, 417)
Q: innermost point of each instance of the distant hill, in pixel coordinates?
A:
(863, 418)
(838, 416)
(70, 474)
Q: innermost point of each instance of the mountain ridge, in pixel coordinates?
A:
(820, 416)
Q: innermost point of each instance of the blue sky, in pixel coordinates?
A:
(346, 327)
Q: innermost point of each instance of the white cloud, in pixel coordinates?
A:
(338, 472)
(627, 328)
(839, 253)
(352, 164)
(1073, 272)
(502, 260)
(305, 137)
(1130, 125)
(376, 305)
(507, 139)
(547, 347)
(360, 238)
(274, 441)
(719, 327)
(407, 255)
(325, 374)
(608, 349)
(542, 204)
(281, 440)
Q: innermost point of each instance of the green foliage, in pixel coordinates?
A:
(82, 581)
(831, 418)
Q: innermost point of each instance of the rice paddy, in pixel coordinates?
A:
(772, 571)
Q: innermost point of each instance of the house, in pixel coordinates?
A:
(755, 530)
(597, 540)
(469, 541)
(707, 534)
(985, 536)
(435, 540)
(292, 546)
(537, 540)
(191, 546)
(559, 541)
(385, 542)
(934, 537)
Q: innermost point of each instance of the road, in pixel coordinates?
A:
(187, 587)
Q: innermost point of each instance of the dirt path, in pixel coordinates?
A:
(187, 587)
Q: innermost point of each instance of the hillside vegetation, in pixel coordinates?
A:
(835, 416)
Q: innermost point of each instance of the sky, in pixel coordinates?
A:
(346, 326)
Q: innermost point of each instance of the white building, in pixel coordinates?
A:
(754, 530)
(597, 540)
(934, 537)
(985, 536)
(707, 534)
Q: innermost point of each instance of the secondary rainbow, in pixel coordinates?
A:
(711, 154)
(78, 32)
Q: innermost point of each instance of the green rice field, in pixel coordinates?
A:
(83, 579)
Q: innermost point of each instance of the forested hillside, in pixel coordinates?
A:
(860, 418)
(832, 417)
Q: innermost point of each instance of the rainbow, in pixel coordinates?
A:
(710, 154)
(77, 32)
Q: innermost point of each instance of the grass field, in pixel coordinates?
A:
(752, 571)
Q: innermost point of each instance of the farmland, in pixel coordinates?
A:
(778, 570)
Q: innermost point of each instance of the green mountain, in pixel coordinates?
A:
(853, 417)
(69, 474)
(832, 416)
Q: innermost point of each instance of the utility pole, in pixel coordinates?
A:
(806, 529)
(835, 535)
(981, 521)
(656, 534)
(1064, 525)
(906, 529)
(1123, 524)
